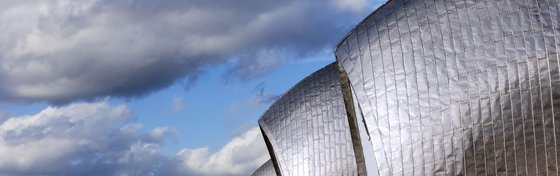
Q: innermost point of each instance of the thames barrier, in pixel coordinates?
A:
(428, 87)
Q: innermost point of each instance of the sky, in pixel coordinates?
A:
(144, 87)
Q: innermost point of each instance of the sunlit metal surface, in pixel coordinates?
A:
(307, 129)
(459, 87)
(370, 162)
(267, 169)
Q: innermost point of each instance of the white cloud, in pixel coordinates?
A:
(352, 5)
(241, 156)
(82, 138)
(63, 50)
(100, 139)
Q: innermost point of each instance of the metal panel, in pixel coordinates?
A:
(267, 169)
(308, 130)
(365, 140)
(459, 87)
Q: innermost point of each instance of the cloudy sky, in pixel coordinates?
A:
(146, 87)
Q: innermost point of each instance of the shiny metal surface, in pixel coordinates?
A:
(307, 129)
(365, 138)
(267, 169)
(459, 87)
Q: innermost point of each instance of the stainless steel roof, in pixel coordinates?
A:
(307, 128)
(459, 87)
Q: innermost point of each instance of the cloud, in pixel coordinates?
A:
(260, 98)
(241, 156)
(80, 139)
(178, 104)
(352, 5)
(100, 139)
(60, 51)
(250, 66)
(4, 114)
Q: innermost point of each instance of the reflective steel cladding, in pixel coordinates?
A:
(307, 129)
(429, 87)
(459, 87)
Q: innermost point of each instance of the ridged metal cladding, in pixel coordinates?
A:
(307, 128)
(459, 87)
(267, 169)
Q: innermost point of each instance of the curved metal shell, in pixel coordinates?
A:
(459, 87)
(307, 129)
(267, 169)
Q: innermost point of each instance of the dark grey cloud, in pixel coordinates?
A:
(60, 51)
(100, 139)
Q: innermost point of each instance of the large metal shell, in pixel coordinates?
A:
(307, 129)
(459, 87)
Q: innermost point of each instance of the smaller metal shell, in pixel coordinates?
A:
(267, 169)
(307, 129)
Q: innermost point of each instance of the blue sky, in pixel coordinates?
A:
(171, 87)
(215, 110)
